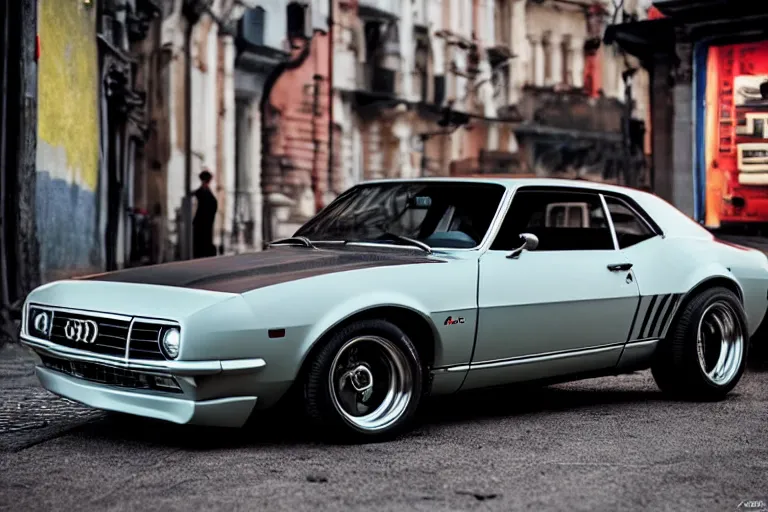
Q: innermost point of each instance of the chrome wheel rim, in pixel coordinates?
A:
(371, 383)
(720, 343)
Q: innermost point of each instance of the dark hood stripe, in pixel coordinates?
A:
(245, 272)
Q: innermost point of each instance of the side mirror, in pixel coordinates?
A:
(529, 243)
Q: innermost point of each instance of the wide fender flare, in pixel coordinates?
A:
(698, 277)
(701, 275)
(339, 313)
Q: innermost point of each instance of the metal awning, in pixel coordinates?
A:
(693, 11)
(717, 18)
(643, 39)
(712, 20)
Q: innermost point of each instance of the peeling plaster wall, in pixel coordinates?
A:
(300, 115)
(68, 140)
(205, 115)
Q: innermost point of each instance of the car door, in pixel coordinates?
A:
(639, 240)
(566, 306)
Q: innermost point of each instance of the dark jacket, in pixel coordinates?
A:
(202, 225)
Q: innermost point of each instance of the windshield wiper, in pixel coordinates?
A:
(410, 241)
(306, 242)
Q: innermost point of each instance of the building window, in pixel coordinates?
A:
(253, 23)
(501, 20)
(374, 38)
(546, 46)
(567, 62)
(298, 19)
(421, 69)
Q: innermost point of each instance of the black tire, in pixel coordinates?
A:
(677, 369)
(323, 403)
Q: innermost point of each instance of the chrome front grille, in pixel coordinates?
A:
(145, 341)
(111, 335)
(110, 340)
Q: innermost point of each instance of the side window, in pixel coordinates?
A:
(630, 228)
(563, 221)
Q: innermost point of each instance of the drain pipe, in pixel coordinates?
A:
(331, 22)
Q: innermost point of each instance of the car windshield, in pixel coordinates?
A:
(440, 215)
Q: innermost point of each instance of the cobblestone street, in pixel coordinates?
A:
(28, 413)
(602, 444)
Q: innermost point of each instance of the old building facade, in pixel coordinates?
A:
(294, 102)
(452, 87)
(290, 103)
(571, 92)
(190, 134)
(91, 125)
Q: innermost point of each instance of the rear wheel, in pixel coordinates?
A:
(365, 383)
(705, 352)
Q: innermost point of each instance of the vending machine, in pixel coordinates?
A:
(735, 146)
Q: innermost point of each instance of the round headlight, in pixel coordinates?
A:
(171, 342)
(41, 322)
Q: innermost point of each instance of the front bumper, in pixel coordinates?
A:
(228, 405)
(222, 412)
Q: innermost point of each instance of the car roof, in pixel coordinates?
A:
(517, 182)
(508, 182)
(670, 219)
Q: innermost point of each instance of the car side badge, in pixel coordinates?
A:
(453, 321)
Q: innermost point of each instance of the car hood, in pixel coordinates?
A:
(245, 272)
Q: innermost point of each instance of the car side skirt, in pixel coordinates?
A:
(614, 358)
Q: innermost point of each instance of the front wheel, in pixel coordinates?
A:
(705, 353)
(365, 383)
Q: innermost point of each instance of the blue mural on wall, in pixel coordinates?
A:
(66, 222)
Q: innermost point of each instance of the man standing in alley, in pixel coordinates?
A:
(202, 225)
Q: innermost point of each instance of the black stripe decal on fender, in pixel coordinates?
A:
(642, 310)
(659, 310)
(648, 313)
(634, 318)
(668, 315)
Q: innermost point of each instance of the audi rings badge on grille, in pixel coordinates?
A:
(84, 331)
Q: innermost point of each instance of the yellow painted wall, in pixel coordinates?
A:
(67, 206)
(68, 87)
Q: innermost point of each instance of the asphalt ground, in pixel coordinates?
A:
(595, 445)
(603, 444)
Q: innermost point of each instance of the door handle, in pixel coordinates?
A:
(619, 267)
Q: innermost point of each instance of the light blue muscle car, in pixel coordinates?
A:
(403, 289)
